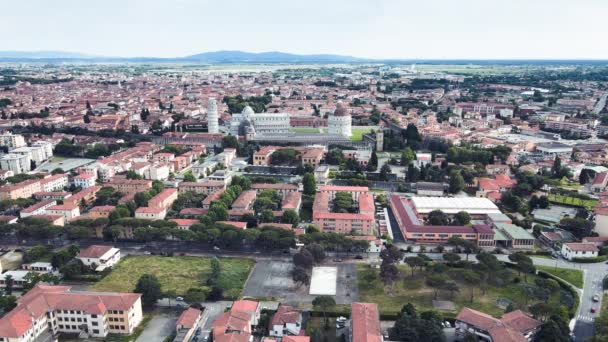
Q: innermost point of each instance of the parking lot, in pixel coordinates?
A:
(160, 326)
(272, 279)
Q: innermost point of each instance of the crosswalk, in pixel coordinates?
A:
(585, 318)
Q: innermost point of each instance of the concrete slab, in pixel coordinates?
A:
(323, 281)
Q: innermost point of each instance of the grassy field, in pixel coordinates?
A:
(574, 277)
(573, 201)
(304, 130)
(414, 290)
(359, 131)
(177, 273)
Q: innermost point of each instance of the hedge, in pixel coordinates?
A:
(601, 258)
(565, 286)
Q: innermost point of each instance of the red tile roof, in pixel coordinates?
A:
(94, 251)
(188, 317)
(582, 247)
(365, 323)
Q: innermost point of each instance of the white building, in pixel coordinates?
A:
(340, 122)
(101, 257)
(18, 163)
(66, 210)
(46, 147)
(259, 123)
(159, 171)
(212, 119)
(579, 250)
(84, 180)
(12, 140)
(50, 310)
(37, 154)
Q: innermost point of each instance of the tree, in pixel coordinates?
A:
(556, 169)
(414, 262)
(215, 294)
(300, 275)
(189, 177)
(149, 287)
(451, 258)
(291, 216)
(303, 259)
(9, 282)
(388, 273)
(437, 282)
(456, 182)
(550, 331)
(317, 252)
(451, 287)
(437, 218)
(86, 118)
(385, 170)
(462, 218)
(324, 303)
(267, 216)
(310, 186)
(391, 254)
(468, 246)
(472, 279)
(216, 268)
(372, 165)
(407, 156)
(413, 328)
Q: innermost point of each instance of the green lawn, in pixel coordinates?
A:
(359, 131)
(304, 130)
(573, 201)
(414, 290)
(574, 277)
(177, 273)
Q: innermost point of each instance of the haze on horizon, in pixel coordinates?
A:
(383, 29)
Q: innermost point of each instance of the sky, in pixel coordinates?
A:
(399, 29)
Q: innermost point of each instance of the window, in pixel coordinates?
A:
(95, 331)
(94, 323)
(60, 326)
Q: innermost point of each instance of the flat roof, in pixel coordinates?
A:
(516, 232)
(323, 281)
(452, 205)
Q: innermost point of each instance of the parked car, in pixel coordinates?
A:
(593, 310)
(595, 298)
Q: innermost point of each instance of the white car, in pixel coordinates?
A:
(179, 299)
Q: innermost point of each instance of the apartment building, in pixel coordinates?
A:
(58, 309)
(130, 186)
(68, 211)
(164, 199)
(54, 183)
(346, 223)
(25, 189)
(12, 140)
(245, 200)
(17, 163)
(201, 187)
(333, 189)
(37, 209)
(282, 188)
(84, 180)
(149, 213)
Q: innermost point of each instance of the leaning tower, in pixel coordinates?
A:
(212, 123)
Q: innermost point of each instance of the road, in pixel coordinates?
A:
(601, 103)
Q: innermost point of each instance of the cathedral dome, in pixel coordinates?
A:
(248, 111)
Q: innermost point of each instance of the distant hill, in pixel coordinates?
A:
(206, 57)
(268, 57)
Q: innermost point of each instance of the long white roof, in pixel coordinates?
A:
(452, 205)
